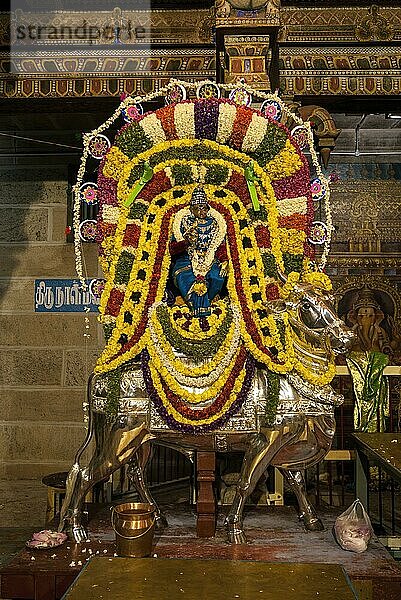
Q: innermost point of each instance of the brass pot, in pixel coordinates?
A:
(134, 525)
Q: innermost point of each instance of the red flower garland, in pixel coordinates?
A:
(250, 324)
(131, 235)
(166, 117)
(237, 184)
(294, 221)
(162, 248)
(114, 303)
(242, 121)
(220, 401)
(262, 235)
(272, 291)
(157, 185)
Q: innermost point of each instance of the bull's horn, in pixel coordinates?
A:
(276, 306)
(282, 276)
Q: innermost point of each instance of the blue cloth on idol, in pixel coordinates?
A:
(184, 279)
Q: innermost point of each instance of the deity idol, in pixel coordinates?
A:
(199, 253)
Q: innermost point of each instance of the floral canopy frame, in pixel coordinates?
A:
(256, 176)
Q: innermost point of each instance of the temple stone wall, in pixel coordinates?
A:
(44, 358)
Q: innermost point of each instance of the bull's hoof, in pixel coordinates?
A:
(161, 522)
(77, 534)
(311, 522)
(235, 534)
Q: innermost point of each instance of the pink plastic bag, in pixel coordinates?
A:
(353, 528)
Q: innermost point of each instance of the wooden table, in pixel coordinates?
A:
(381, 449)
(160, 579)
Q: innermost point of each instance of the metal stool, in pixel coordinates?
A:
(55, 483)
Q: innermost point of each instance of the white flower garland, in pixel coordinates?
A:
(153, 128)
(227, 115)
(184, 120)
(255, 133)
(289, 206)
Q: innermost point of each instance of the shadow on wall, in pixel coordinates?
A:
(32, 203)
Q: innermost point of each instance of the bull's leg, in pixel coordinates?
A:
(259, 455)
(115, 444)
(307, 512)
(255, 462)
(137, 473)
(71, 510)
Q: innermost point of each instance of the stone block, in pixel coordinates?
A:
(45, 261)
(22, 504)
(17, 470)
(32, 191)
(58, 221)
(23, 224)
(78, 366)
(38, 442)
(53, 329)
(31, 367)
(54, 405)
(16, 295)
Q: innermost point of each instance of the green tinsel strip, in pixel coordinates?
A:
(113, 392)
(207, 347)
(273, 388)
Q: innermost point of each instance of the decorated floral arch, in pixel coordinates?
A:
(257, 181)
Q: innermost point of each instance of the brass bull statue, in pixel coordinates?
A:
(300, 437)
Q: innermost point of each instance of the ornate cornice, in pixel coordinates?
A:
(102, 73)
(347, 262)
(139, 27)
(310, 64)
(354, 70)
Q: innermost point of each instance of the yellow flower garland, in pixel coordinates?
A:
(267, 198)
(159, 388)
(195, 332)
(205, 369)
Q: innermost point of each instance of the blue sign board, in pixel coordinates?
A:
(65, 295)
